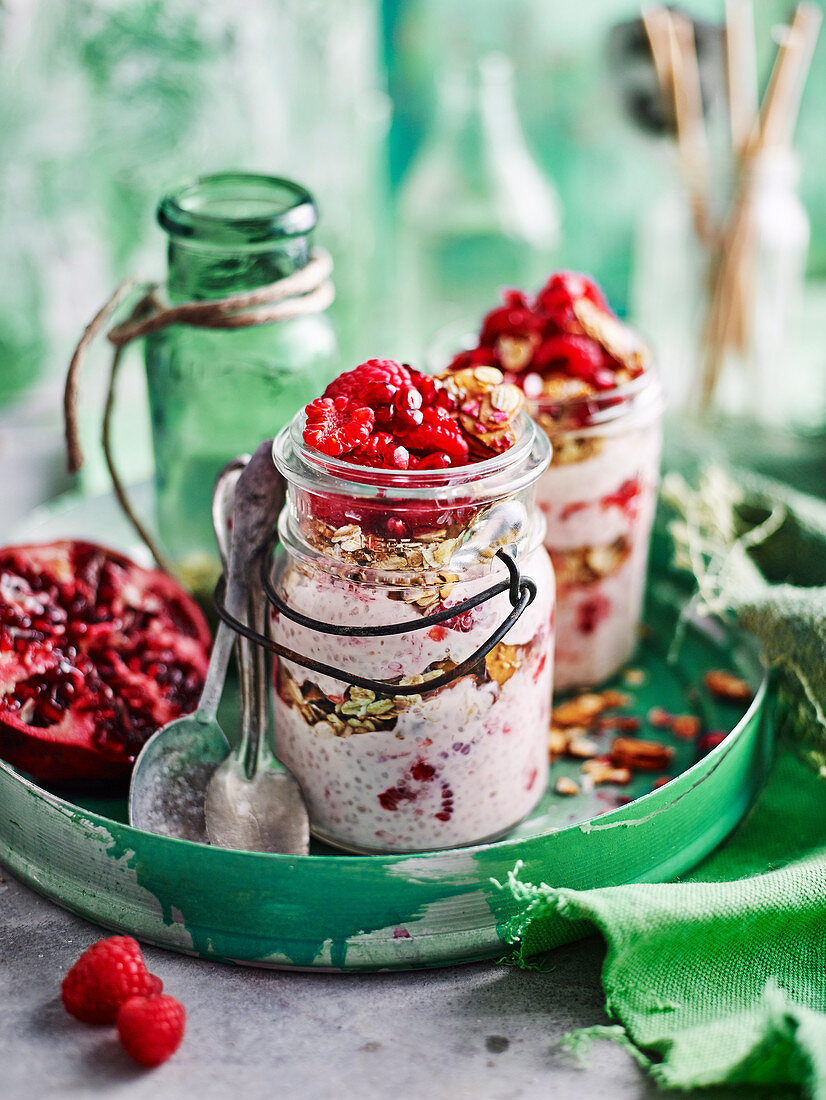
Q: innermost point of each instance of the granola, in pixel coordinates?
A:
(586, 565)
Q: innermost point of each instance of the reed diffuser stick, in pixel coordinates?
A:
(778, 115)
(741, 66)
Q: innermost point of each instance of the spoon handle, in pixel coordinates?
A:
(258, 497)
(216, 673)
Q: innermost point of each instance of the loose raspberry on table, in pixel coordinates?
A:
(151, 1028)
(337, 425)
(106, 975)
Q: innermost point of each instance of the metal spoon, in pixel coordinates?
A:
(497, 526)
(166, 794)
(252, 801)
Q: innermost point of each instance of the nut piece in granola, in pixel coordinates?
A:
(488, 406)
(579, 711)
(646, 756)
(600, 771)
(501, 663)
(557, 742)
(566, 786)
(620, 341)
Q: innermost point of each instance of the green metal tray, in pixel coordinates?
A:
(335, 911)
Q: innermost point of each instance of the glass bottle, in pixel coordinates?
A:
(476, 212)
(376, 560)
(214, 393)
(769, 383)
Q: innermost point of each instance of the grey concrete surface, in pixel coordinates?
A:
(482, 1031)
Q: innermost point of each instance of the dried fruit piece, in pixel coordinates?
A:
(710, 741)
(660, 718)
(727, 686)
(686, 726)
(647, 756)
(96, 653)
(628, 722)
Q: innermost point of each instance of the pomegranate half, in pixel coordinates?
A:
(96, 653)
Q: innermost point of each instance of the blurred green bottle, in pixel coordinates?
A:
(214, 394)
(476, 212)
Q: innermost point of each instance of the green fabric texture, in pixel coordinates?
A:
(720, 978)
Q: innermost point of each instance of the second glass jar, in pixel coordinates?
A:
(598, 497)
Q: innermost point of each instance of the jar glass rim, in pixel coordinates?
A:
(638, 396)
(233, 209)
(309, 468)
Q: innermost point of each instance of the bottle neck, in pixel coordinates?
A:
(197, 272)
(234, 231)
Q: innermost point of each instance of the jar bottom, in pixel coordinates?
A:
(357, 850)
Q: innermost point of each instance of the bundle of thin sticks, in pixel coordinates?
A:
(755, 128)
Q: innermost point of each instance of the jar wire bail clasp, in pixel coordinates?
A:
(521, 593)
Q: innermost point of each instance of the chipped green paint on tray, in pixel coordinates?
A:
(344, 912)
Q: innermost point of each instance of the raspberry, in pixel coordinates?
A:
(106, 975)
(474, 357)
(437, 432)
(514, 318)
(372, 383)
(151, 1028)
(337, 425)
(580, 357)
(563, 287)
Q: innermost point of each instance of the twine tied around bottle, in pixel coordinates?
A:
(306, 291)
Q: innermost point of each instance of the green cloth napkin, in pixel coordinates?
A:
(721, 977)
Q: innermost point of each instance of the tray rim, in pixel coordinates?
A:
(713, 758)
